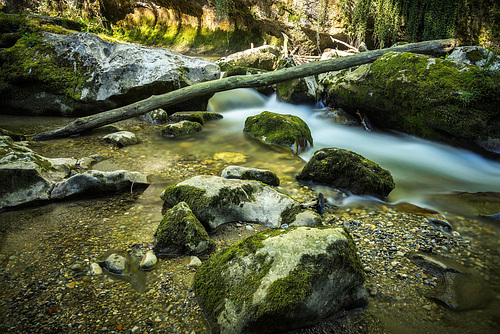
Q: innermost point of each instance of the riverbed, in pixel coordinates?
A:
(45, 250)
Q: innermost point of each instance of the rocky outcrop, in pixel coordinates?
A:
(215, 201)
(245, 173)
(180, 232)
(27, 177)
(428, 97)
(80, 73)
(282, 130)
(347, 170)
(264, 57)
(279, 280)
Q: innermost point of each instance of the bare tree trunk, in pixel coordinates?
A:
(437, 47)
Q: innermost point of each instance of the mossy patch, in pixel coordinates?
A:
(348, 170)
(195, 116)
(277, 129)
(183, 128)
(199, 202)
(180, 232)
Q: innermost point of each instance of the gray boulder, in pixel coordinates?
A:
(475, 55)
(157, 116)
(279, 280)
(83, 74)
(245, 173)
(24, 175)
(347, 170)
(180, 232)
(264, 57)
(96, 182)
(215, 201)
(121, 138)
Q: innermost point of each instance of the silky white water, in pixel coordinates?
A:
(419, 167)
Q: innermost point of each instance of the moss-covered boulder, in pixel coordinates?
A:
(215, 201)
(245, 173)
(279, 280)
(195, 116)
(282, 130)
(180, 232)
(182, 128)
(347, 170)
(428, 97)
(79, 73)
(14, 135)
(264, 57)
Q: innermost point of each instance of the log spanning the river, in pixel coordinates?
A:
(437, 47)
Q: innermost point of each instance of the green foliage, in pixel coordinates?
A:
(223, 8)
(401, 19)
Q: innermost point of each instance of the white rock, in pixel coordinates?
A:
(95, 269)
(148, 261)
(195, 262)
(121, 138)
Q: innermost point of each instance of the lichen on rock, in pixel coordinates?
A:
(282, 130)
(180, 232)
(279, 280)
(347, 170)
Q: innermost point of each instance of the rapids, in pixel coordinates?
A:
(419, 167)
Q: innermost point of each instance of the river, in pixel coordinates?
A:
(39, 245)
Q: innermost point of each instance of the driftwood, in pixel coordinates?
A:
(437, 47)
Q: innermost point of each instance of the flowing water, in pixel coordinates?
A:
(426, 173)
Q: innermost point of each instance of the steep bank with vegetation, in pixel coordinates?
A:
(222, 26)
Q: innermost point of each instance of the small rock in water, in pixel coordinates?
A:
(122, 138)
(148, 261)
(77, 267)
(95, 269)
(195, 262)
(116, 263)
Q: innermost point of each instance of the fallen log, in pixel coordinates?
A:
(437, 47)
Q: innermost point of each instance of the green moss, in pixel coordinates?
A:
(183, 128)
(284, 294)
(15, 136)
(180, 232)
(265, 176)
(32, 62)
(198, 117)
(347, 170)
(428, 97)
(277, 129)
(474, 56)
(199, 203)
(288, 215)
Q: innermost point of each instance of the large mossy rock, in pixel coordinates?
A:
(180, 232)
(80, 73)
(282, 130)
(279, 280)
(347, 170)
(215, 201)
(264, 57)
(428, 97)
